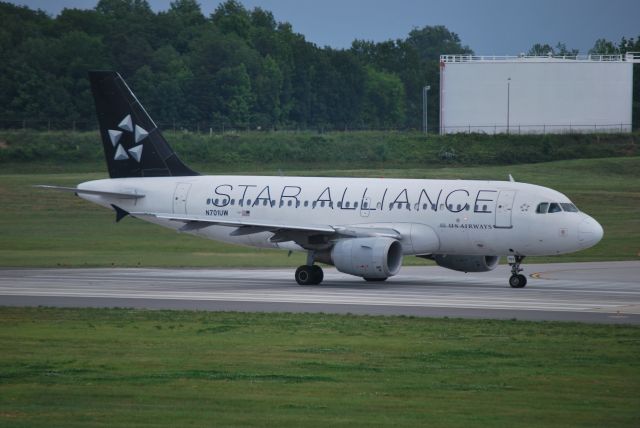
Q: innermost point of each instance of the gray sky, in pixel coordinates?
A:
(489, 27)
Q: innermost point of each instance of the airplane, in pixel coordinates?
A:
(362, 226)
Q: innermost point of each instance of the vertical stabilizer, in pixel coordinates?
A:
(133, 144)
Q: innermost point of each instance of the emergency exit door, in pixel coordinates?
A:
(180, 198)
(504, 208)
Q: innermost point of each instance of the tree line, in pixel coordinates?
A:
(237, 68)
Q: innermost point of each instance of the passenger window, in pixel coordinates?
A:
(233, 201)
(322, 204)
(289, 203)
(306, 203)
(339, 204)
(554, 208)
(569, 208)
(365, 205)
(297, 204)
(542, 208)
(264, 203)
(424, 206)
(408, 207)
(346, 204)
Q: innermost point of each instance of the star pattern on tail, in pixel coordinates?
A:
(139, 133)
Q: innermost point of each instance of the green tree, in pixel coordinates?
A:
(234, 98)
(232, 17)
(383, 100)
(604, 47)
(539, 49)
(268, 87)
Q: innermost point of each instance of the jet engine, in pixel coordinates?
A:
(467, 263)
(370, 258)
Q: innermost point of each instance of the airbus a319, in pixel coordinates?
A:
(362, 226)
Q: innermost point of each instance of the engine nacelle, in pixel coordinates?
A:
(368, 257)
(467, 263)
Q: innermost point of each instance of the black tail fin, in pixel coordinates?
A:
(133, 144)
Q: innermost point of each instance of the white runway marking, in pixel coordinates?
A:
(580, 291)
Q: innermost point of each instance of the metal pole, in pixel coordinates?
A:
(425, 107)
(508, 101)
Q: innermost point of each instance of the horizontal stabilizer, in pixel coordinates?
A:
(120, 195)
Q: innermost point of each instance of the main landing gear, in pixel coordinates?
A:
(309, 275)
(517, 280)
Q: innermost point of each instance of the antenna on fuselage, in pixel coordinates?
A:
(511, 178)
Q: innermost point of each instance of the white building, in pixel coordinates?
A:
(521, 94)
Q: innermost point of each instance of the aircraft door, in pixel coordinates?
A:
(365, 207)
(504, 207)
(180, 198)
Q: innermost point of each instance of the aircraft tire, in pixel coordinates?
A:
(517, 281)
(317, 273)
(309, 275)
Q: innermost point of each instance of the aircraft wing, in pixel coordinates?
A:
(193, 222)
(282, 232)
(120, 195)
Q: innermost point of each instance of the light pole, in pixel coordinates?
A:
(508, 100)
(425, 94)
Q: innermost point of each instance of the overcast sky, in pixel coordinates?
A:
(489, 27)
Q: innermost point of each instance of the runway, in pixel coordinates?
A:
(606, 292)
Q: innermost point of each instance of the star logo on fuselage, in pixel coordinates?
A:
(139, 134)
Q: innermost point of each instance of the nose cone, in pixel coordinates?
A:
(589, 232)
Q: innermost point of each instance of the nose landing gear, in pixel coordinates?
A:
(517, 280)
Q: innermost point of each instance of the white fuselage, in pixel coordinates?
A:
(469, 217)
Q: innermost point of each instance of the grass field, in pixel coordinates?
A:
(46, 228)
(99, 367)
(70, 151)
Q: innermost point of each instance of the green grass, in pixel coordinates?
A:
(69, 151)
(106, 367)
(47, 228)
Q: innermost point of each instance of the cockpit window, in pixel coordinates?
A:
(542, 208)
(569, 208)
(554, 208)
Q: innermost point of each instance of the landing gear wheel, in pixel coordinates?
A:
(318, 274)
(517, 281)
(309, 275)
(374, 279)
